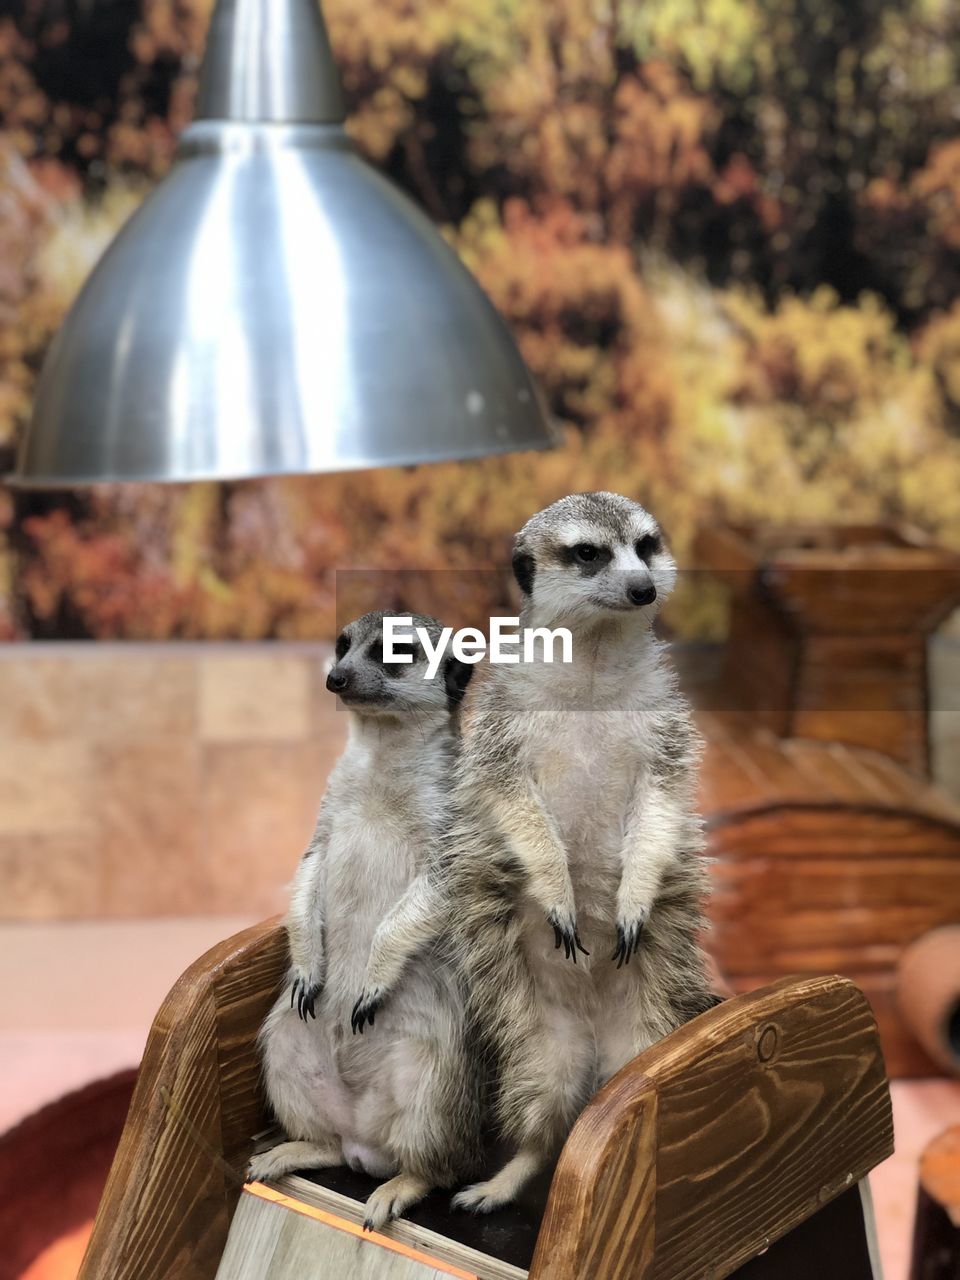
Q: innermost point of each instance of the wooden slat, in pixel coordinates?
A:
(245, 988)
(759, 1112)
(166, 1207)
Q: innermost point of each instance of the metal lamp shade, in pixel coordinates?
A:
(275, 306)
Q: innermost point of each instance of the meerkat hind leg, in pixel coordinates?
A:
(393, 1198)
(290, 1156)
(484, 1197)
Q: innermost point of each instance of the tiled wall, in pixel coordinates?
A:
(158, 780)
(183, 779)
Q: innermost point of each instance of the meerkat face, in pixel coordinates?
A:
(593, 554)
(369, 686)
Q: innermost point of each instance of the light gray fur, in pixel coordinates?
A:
(576, 801)
(401, 1101)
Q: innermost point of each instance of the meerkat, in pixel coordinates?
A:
(407, 1106)
(580, 840)
(575, 862)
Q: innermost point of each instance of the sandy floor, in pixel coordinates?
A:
(78, 999)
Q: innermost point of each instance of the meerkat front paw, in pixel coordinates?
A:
(565, 934)
(367, 1007)
(304, 994)
(269, 1165)
(629, 936)
(393, 1199)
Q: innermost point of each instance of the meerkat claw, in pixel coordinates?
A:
(304, 995)
(364, 1011)
(565, 934)
(629, 937)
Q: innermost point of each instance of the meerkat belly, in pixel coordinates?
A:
(368, 869)
(586, 781)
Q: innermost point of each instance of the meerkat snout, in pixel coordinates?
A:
(641, 592)
(370, 683)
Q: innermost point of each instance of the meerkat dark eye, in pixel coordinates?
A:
(343, 644)
(586, 553)
(377, 653)
(648, 545)
(405, 649)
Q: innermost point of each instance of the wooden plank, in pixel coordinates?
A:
(759, 1113)
(166, 1207)
(826, 831)
(837, 1243)
(443, 1241)
(270, 1242)
(245, 989)
(600, 1215)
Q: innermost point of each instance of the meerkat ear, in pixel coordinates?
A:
(456, 677)
(523, 571)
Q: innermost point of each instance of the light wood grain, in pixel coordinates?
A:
(443, 1248)
(268, 1242)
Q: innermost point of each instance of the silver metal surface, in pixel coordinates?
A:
(269, 61)
(275, 306)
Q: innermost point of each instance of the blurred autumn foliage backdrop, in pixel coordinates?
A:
(726, 234)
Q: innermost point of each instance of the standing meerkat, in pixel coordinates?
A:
(406, 1105)
(575, 862)
(580, 840)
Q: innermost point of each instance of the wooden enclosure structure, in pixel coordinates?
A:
(829, 630)
(697, 1157)
(834, 851)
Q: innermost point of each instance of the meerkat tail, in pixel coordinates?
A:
(290, 1156)
(393, 1198)
(484, 1197)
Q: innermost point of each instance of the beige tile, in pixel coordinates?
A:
(139, 698)
(50, 877)
(44, 787)
(330, 717)
(105, 975)
(149, 804)
(261, 803)
(101, 695)
(257, 697)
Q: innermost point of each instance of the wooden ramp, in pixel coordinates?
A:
(283, 1233)
(321, 1211)
(294, 1233)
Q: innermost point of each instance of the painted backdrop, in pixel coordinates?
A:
(726, 234)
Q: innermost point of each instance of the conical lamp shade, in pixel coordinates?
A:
(275, 306)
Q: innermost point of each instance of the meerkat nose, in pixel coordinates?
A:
(337, 681)
(641, 593)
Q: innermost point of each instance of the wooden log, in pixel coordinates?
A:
(827, 859)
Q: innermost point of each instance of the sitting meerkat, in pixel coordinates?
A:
(407, 1106)
(574, 866)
